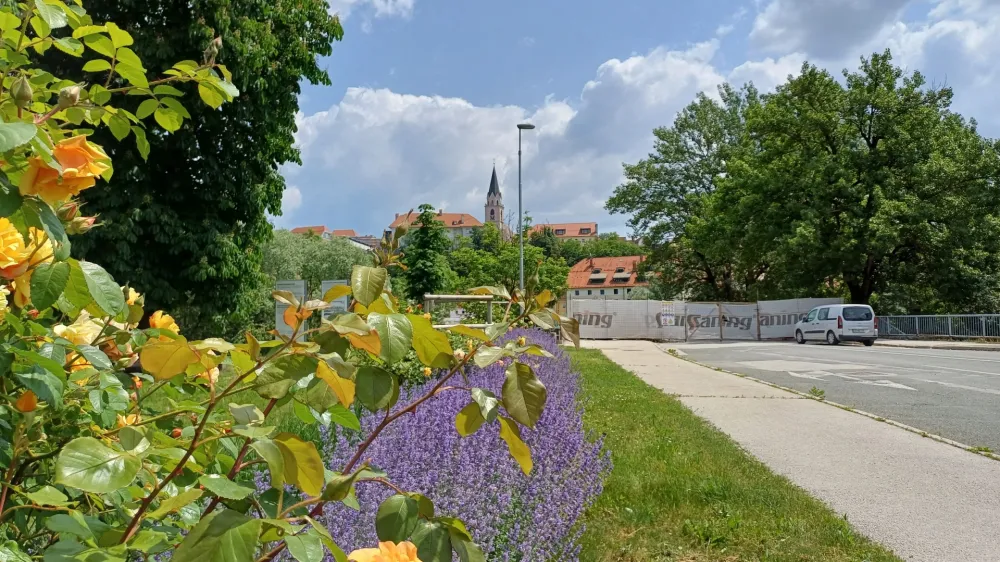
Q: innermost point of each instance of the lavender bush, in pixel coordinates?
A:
(514, 517)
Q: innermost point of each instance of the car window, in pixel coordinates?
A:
(812, 316)
(824, 314)
(857, 313)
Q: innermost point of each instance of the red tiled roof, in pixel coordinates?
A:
(450, 220)
(572, 228)
(579, 274)
(347, 233)
(308, 229)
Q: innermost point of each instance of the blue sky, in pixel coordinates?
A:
(426, 93)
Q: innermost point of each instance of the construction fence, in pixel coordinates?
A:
(689, 321)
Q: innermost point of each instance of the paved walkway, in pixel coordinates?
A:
(927, 501)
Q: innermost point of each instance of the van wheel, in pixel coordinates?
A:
(831, 338)
(799, 338)
(869, 343)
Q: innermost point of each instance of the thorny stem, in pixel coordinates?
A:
(29, 9)
(148, 500)
(389, 418)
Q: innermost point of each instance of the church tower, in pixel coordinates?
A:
(494, 202)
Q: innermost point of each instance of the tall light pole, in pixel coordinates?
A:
(520, 216)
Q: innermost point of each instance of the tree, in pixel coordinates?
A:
(427, 270)
(189, 223)
(870, 185)
(546, 240)
(671, 196)
(488, 238)
(608, 245)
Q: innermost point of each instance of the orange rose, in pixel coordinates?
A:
(82, 162)
(130, 419)
(26, 402)
(163, 322)
(386, 552)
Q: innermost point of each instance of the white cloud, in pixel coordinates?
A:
(378, 152)
(381, 8)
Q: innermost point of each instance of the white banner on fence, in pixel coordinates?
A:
(777, 318)
(677, 320)
(296, 287)
(338, 306)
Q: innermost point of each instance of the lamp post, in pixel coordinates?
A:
(520, 216)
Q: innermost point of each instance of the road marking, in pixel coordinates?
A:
(804, 376)
(785, 365)
(964, 387)
(888, 384)
(930, 370)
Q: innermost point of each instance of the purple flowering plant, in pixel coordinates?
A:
(514, 516)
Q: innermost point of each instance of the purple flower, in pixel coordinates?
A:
(512, 516)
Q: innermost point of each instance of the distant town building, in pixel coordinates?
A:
(605, 278)
(360, 242)
(582, 231)
(321, 231)
(455, 224)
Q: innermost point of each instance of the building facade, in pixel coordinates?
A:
(605, 278)
(581, 231)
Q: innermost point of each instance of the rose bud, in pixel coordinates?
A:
(69, 96)
(21, 92)
(176, 433)
(26, 402)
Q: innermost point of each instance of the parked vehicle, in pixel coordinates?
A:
(835, 323)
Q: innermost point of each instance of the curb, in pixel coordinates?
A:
(946, 346)
(903, 426)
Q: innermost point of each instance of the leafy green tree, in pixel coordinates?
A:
(870, 185)
(608, 245)
(546, 240)
(424, 256)
(671, 197)
(488, 238)
(189, 223)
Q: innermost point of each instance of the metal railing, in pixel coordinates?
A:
(941, 326)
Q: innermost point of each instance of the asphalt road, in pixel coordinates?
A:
(955, 394)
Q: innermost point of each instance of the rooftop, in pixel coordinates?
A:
(450, 220)
(568, 229)
(605, 272)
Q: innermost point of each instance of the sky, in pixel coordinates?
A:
(426, 94)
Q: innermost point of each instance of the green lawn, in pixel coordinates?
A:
(683, 491)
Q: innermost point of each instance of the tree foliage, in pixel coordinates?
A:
(427, 243)
(869, 188)
(186, 226)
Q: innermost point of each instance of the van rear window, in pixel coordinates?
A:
(857, 313)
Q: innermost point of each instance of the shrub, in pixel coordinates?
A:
(513, 516)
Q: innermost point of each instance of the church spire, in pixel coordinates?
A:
(494, 184)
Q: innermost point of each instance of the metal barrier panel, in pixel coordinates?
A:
(739, 321)
(777, 318)
(621, 319)
(703, 321)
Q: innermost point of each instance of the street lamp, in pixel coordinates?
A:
(520, 216)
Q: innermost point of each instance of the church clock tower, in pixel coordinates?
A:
(494, 202)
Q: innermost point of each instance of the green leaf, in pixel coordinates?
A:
(173, 503)
(375, 387)
(13, 135)
(342, 416)
(246, 414)
(50, 365)
(93, 355)
(39, 214)
(167, 90)
(432, 542)
(351, 323)
(425, 507)
(470, 332)
(486, 356)
(271, 454)
(499, 292)
(87, 464)
(343, 388)
(224, 487)
(212, 97)
(48, 281)
(99, 94)
(128, 56)
(85, 30)
(97, 65)
(489, 406)
(53, 15)
(72, 523)
(469, 420)
(432, 347)
(367, 283)
(510, 433)
(523, 394)
(42, 29)
(10, 197)
(570, 329)
(47, 495)
(467, 550)
(168, 119)
(324, 535)
(119, 37)
(544, 320)
(303, 465)
(176, 106)
(307, 547)
(150, 542)
(132, 439)
(100, 44)
(396, 334)
(222, 536)
(103, 289)
(45, 385)
(69, 46)
(141, 142)
(396, 518)
(119, 127)
(135, 75)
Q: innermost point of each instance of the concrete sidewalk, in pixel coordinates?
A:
(925, 500)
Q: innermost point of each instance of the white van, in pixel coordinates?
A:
(834, 323)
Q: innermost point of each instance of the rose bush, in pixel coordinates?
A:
(119, 442)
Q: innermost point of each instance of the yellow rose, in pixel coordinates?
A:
(132, 297)
(82, 162)
(13, 252)
(81, 332)
(386, 552)
(17, 258)
(131, 419)
(163, 322)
